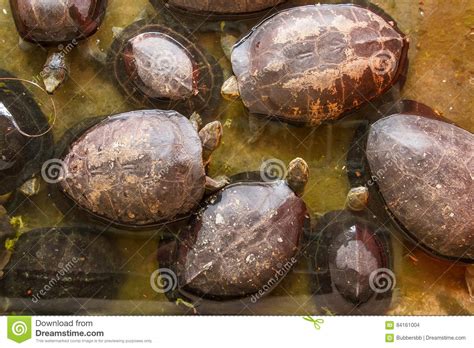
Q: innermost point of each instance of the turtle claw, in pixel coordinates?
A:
(216, 184)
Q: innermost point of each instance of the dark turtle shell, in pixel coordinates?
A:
(315, 63)
(50, 22)
(136, 168)
(211, 8)
(242, 242)
(350, 262)
(58, 263)
(20, 156)
(159, 67)
(419, 167)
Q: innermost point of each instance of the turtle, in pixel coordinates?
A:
(159, 67)
(141, 168)
(418, 168)
(25, 140)
(351, 264)
(57, 263)
(243, 241)
(316, 63)
(56, 23)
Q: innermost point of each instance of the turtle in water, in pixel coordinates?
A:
(350, 259)
(419, 169)
(63, 23)
(315, 63)
(157, 66)
(245, 236)
(141, 168)
(25, 142)
(61, 263)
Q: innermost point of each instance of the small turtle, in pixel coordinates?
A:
(316, 63)
(50, 23)
(247, 235)
(142, 167)
(419, 169)
(156, 66)
(61, 263)
(22, 153)
(350, 258)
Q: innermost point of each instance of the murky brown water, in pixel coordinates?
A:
(441, 74)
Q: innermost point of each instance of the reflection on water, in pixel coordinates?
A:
(441, 74)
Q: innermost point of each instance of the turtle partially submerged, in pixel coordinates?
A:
(350, 258)
(419, 168)
(315, 63)
(245, 240)
(50, 23)
(61, 263)
(157, 66)
(142, 167)
(22, 151)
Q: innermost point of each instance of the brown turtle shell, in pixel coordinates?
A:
(50, 21)
(137, 168)
(245, 235)
(158, 67)
(424, 170)
(223, 6)
(314, 63)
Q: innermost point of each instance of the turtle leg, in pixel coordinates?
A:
(55, 71)
(216, 184)
(257, 126)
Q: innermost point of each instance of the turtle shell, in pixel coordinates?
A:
(158, 67)
(50, 22)
(323, 61)
(351, 260)
(423, 169)
(20, 156)
(222, 7)
(54, 263)
(136, 168)
(242, 242)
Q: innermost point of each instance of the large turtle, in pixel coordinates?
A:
(419, 168)
(315, 63)
(66, 263)
(157, 66)
(142, 167)
(244, 240)
(50, 23)
(25, 142)
(350, 259)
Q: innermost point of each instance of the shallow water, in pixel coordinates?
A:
(441, 74)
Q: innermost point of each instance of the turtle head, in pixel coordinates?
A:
(55, 71)
(230, 89)
(298, 175)
(211, 137)
(357, 198)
